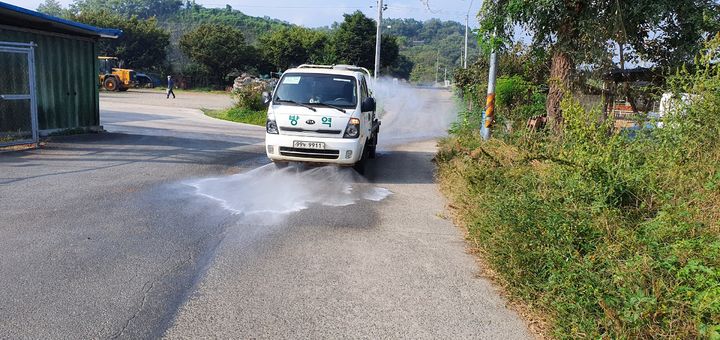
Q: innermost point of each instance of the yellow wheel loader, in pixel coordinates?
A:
(113, 78)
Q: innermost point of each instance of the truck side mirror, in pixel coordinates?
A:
(266, 98)
(368, 105)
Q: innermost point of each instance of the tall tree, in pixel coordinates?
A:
(354, 43)
(354, 40)
(419, 41)
(221, 49)
(142, 45)
(292, 46)
(568, 28)
(668, 32)
(402, 68)
(141, 8)
(389, 50)
(577, 31)
(52, 7)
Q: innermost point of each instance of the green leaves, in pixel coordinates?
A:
(142, 44)
(292, 46)
(53, 7)
(220, 48)
(614, 235)
(354, 40)
(127, 8)
(668, 32)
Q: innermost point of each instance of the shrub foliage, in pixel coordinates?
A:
(249, 97)
(613, 235)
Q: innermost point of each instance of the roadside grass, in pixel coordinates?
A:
(610, 235)
(239, 115)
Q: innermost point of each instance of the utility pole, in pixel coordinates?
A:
(489, 115)
(467, 19)
(378, 38)
(466, 42)
(437, 66)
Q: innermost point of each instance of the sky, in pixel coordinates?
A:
(317, 13)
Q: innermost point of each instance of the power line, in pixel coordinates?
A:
(426, 8)
(289, 7)
(426, 3)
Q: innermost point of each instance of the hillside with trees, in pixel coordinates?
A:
(432, 42)
(412, 49)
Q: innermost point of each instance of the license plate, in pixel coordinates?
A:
(308, 145)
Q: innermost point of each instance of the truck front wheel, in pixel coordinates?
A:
(373, 146)
(361, 164)
(372, 143)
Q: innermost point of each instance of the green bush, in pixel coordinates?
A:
(249, 97)
(517, 100)
(510, 90)
(613, 235)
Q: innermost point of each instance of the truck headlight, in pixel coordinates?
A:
(353, 128)
(271, 126)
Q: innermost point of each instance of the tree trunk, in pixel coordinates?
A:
(626, 85)
(560, 80)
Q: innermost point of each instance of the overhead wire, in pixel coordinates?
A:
(451, 15)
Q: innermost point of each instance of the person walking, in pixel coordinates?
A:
(170, 86)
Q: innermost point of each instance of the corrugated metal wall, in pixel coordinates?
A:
(67, 77)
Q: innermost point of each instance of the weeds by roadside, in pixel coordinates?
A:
(239, 115)
(612, 235)
(248, 109)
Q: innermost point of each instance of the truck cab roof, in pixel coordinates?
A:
(346, 70)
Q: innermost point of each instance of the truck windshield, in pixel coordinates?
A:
(309, 89)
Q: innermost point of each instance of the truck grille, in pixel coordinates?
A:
(309, 153)
(323, 131)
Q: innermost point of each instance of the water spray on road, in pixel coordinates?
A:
(267, 194)
(261, 194)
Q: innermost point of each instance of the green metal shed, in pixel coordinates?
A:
(63, 55)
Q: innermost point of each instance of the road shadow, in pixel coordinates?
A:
(87, 153)
(125, 117)
(401, 167)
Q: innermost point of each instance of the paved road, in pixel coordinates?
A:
(150, 113)
(156, 97)
(122, 235)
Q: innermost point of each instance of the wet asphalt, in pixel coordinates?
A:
(102, 237)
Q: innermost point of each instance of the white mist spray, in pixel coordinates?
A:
(411, 114)
(268, 192)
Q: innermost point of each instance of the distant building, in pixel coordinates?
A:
(49, 73)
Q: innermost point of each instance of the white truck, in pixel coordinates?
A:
(322, 114)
